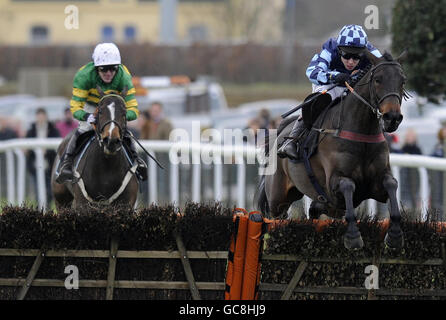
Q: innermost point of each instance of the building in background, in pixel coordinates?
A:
(43, 22)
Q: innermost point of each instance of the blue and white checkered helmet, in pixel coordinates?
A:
(352, 35)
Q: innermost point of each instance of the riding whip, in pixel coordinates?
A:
(152, 157)
(286, 114)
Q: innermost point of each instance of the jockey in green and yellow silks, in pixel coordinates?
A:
(107, 72)
(84, 89)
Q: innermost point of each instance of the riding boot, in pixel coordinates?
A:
(289, 147)
(66, 167)
(141, 170)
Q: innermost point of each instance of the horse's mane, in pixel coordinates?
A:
(387, 56)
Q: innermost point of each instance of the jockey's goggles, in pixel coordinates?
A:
(108, 68)
(348, 56)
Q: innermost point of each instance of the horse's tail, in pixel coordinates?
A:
(260, 197)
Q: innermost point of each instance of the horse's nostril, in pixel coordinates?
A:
(393, 116)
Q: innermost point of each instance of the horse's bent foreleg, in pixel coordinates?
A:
(276, 186)
(394, 237)
(317, 209)
(352, 238)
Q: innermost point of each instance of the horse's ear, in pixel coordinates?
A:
(124, 91)
(101, 93)
(372, 58)
(402, 57)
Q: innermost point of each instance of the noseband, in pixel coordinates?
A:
(99, 128)
(373, 95)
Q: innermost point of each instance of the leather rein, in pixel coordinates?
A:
(373, 95)
(99, 128)
(365, 138)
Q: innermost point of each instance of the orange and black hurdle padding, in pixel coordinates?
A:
(251, 271)
(236, 258)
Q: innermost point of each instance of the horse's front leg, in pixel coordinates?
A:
(394, 237)
(352, 238)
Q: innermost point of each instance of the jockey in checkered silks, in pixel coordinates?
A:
(339, 59)
(107, 72)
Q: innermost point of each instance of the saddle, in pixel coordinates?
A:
(83, 143)
(313, 115)
(82, 140)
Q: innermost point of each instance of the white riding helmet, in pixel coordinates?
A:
(106, 54)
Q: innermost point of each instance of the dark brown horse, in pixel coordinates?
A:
(352, 159)
(103, 172)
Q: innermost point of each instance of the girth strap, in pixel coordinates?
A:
(322, 196)
(78, 178)
(121, 189)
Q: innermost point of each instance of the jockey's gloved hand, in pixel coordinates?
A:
(90, 118)
(341, 77)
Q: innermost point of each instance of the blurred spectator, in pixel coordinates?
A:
(6, 132)
(410, 145)
(251, 131)
(42, 128)
(410, 178)
(264, 118)
(156, 126)
(439, 147)
(436, 177)
(67, 124)
(258, 127)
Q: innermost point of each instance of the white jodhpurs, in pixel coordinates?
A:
(334, 93)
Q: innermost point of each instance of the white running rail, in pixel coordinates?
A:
(15, 156)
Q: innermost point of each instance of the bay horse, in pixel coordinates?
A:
(352, 159)
(103, 171)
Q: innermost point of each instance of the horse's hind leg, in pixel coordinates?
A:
(394, 237)
(62, 196)
(352, 238)
(279, 193)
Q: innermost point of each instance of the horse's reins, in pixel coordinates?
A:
(101, 127)
(375, 109)
(353, 136)
(120, 129)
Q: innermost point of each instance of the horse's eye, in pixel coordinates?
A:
(378, 81)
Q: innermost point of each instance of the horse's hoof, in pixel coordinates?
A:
(394, 242)
(353, 243)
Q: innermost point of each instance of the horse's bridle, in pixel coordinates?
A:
(373, 95)
(99, 128)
